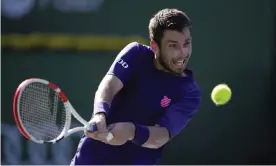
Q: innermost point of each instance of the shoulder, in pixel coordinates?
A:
(138, 46)
(133, 54)
(136, 49)
(190, 93)
(190, 85)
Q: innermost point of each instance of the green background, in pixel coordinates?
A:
(232, 43)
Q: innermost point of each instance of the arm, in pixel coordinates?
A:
(158, 137)
(118, 74)
(108, 88)
(175, 119)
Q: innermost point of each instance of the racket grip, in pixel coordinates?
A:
(92, 127)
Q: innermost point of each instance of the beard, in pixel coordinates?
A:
(166, 67)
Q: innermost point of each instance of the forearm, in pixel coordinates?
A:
(108, 88)
(158, 137)
(104, 93)
(155, 136)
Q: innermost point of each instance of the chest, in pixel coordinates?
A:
(156, 91)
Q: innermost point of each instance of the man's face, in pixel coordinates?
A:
(175, 51)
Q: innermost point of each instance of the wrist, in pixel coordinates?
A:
(101, 108)
(141, 134)
(102, 114)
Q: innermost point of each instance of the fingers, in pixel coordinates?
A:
(101, 131)
(96, 135)
(99, 120)
(91, 134)
(101, 127)
(104, 135)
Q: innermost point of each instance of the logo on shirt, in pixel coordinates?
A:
(123, 63)
(165, 102)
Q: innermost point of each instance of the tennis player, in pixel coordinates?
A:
(147, 97)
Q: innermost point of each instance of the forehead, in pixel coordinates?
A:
(177, 36)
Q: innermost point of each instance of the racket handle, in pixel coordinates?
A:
(92, 128)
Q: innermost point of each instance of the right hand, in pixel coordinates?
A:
(101, 133)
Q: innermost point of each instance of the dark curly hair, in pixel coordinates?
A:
(167, 19)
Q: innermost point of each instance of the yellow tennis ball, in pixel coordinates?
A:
(221, 94)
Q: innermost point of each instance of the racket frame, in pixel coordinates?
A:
(68, 108)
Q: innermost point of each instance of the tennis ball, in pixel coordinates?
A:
(221, 94)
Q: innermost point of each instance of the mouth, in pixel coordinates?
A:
(179, 63)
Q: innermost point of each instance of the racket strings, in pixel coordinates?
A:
(42, 112)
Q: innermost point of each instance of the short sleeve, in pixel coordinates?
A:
(178, 115)
(125, 62)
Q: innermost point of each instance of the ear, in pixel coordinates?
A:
(154, 47)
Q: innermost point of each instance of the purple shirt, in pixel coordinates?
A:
(149, 97)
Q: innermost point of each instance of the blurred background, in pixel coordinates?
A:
(73, 42)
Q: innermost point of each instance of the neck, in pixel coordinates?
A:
(158, 66)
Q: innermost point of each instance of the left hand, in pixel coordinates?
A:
(122, 132)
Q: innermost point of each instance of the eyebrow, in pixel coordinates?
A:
(173, 41)
(189, 39)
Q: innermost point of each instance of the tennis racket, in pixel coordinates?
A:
(43, 113)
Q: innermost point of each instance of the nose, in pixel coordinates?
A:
(185, 52)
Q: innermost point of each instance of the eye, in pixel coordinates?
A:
(173, 45)
(187, 44)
